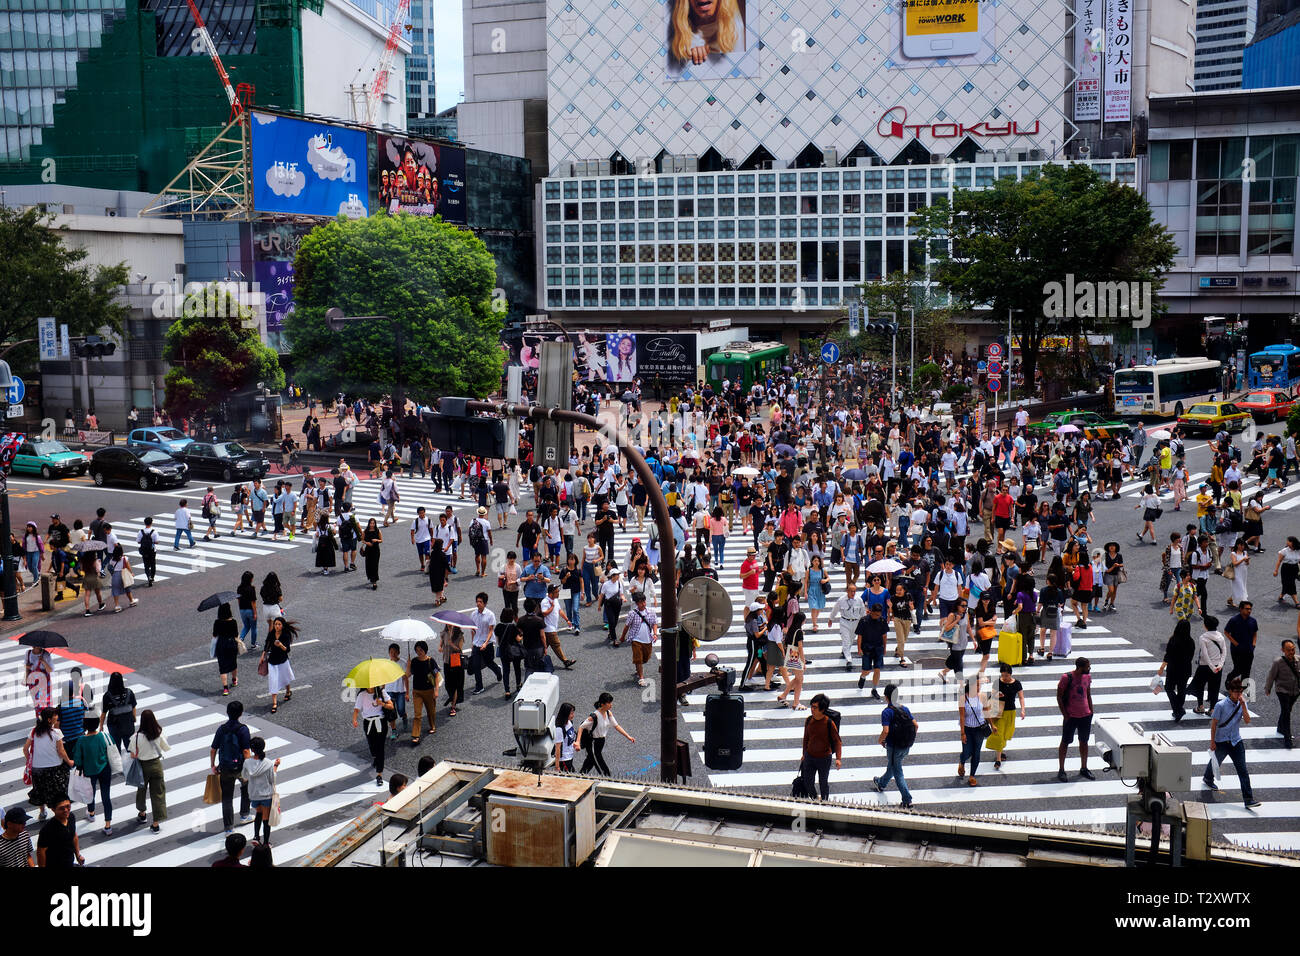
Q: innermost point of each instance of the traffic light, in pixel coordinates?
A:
(94, 347)
(882, 328)
(454, 429)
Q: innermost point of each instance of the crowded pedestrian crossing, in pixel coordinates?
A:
(321, 790)
(1026, 786)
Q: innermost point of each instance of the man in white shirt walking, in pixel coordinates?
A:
(482, 654)
(184, 525)
(848, 610)
(421, 535)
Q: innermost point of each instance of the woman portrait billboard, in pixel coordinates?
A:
(712, 39)
(620, 357)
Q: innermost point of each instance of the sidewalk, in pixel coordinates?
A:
(29, 606)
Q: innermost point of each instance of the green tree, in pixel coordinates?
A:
(213, 355)
(1010, 241)
(40, 275)
(434, 281)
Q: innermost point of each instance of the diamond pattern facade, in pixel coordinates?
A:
(828, 72)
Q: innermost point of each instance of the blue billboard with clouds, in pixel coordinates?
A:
(305, 168)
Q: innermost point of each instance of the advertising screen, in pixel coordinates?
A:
(420, 178)
(305, 168)
(670, 358)
(616, 358)
(712, 39)
(275, 281)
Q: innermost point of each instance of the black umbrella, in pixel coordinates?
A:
(784, 449)
(216, 600)
(43, 639)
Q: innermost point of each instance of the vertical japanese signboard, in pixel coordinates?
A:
(1088, 48)
(1117, 52)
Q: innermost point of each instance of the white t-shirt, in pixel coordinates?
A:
(550, 612)
(423, 530)
(445, 534)
(182, 518)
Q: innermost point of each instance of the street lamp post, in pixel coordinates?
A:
(337, 321)
(8, 584)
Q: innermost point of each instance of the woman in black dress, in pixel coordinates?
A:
(371, 539)
(1176, 667)
(226, 649)
(326, 544)
(437, 572)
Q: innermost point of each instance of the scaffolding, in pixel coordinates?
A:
(216, 183)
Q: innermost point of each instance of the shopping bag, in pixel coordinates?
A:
(1063, 643)
(263, 668)
(212, 648)
(514, 510)
(114, 758)
(212, 789)
(1011, 648)
(1216, 768)
(1157, 685)
(132, 772)
(274, 817)
(79, 788)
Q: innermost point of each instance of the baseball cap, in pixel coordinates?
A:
(55, 517)
(16, 815)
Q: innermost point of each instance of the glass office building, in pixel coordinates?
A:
(774, 241)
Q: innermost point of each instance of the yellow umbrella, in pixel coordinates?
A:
(374, 672)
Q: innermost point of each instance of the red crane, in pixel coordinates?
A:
(236, 104)
(380, 86)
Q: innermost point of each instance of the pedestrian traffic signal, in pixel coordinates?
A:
(882, 328)
(94, 347)
(457, 431)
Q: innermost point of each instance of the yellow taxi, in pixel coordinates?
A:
(1211, 417)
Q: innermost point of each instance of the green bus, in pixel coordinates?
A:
(743, 363)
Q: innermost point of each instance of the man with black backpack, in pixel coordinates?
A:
(897, 737)
(230, 748)
(821, 744)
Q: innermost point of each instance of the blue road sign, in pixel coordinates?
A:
(17, 391)
(995, 384)
(982, 366)
(830, 353)
(995, 368)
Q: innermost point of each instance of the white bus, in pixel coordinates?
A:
(1167, 388)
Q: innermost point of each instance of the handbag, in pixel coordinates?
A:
(241, 646)
(212, 789)
(114, 759)
(128, 579)
(1123, 576)
(212, 648)
(273, 817)
(80, 788)
(132, 772)
(453, 659)
(263, 668)
(1230, 570)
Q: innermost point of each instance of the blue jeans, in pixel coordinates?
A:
(970, 750)
(176, 542)
(399, 707)
(894, 759)
(903, 522)
(1237, 753)
(719, 548)
(589, 583)
(100, 782)
(33, 559)
(571, 606)
(250, 625)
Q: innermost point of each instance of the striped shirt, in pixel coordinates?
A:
(15, 852)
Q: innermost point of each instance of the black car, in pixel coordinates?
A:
(227, 460)
(145, 469)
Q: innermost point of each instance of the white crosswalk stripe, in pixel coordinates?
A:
(236, 547)
(1026, 785)
(320, 789)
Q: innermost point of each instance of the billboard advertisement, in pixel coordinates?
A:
(616, 358)
(275, 281)
(1088, 53)
(306, 168)
(947, 33)
(1118, 52)
(712, 39)
(420, 178)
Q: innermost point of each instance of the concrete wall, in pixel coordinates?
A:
(505, 79)
(1164, 48)
(341, 47)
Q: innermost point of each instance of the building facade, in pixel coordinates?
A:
(1223, 179)
(1273, 57)
(420, 87)
(1223, 29)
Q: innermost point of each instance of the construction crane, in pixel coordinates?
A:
(380, 86)
(236, 105)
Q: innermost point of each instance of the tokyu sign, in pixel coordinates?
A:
(894, 121)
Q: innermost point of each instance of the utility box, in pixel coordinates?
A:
(539, 820)
(47, 591)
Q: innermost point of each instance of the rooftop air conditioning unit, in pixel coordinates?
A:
(861, 161)
(603, 166)
(729, 162)
(830, 157)
(110, 211)
(1022, 155)
(936, 159)
(1037, 155)
(692, 164)
(1003, 155)
(645, 166)
(984, 156)
(765, 164)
